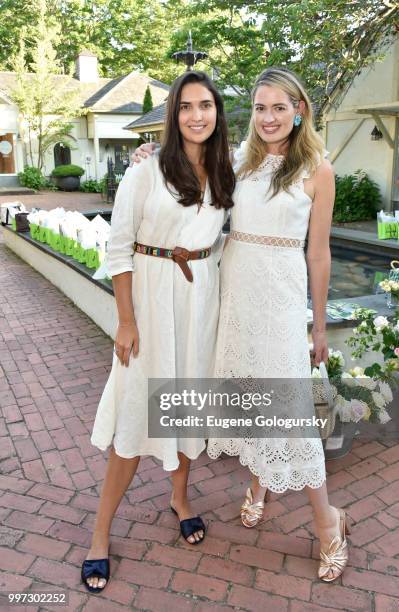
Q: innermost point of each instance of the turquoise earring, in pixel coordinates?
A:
(297, 120)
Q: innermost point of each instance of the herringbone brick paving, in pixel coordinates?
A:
(54, 363)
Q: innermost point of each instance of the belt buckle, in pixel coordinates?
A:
(180, 253)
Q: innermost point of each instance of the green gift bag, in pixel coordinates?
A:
(387, 230)
(56, 242)
(62, 247)
(92, 256)
(76, 250)
(50, 238)
(13, 224)
(34, 231)
(83, 255)
(42, 234)
(101, 257)
(69, 246)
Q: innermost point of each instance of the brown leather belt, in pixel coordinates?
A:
(178, 255)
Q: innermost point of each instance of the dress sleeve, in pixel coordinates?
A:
(127, 215)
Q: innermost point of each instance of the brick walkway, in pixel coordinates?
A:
(69, 200)
(54, 363)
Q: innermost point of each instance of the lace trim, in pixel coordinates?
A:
(268, 240)
(301, 469)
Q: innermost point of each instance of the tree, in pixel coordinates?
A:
(124, 34)
(321, 40)
(47, 103)
(147, 102)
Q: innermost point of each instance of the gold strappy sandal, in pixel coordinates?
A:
(252, 513)
(335, 558)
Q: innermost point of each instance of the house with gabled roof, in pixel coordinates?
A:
(111, 105)
(361, 121)
(150, 126)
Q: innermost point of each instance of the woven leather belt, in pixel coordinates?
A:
(178, 255)
(267, 240)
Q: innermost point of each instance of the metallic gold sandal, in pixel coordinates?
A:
(335, 558)
(252, 514)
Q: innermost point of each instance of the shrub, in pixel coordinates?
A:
(67, 170)
(357, 198)
(92, 186)
(32, 178)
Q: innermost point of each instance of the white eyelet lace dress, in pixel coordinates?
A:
(263, 319)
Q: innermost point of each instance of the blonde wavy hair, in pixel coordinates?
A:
(305, 146)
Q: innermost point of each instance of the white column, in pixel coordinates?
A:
(96, 156)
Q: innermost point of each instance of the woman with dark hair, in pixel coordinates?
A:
(169, 212)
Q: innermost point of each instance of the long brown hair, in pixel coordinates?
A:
(175, 166)
(305, 146)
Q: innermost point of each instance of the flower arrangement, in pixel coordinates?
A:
(363, 398)
(358, 396)
(380, 335)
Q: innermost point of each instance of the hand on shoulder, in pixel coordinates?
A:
(142, 152)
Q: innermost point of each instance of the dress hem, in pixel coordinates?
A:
(103, 448)
(264, 482)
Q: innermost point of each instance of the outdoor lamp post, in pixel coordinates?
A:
(189, 56)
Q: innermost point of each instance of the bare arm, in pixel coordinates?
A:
(127, 335)
(318, 255)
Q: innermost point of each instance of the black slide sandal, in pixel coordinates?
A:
(189, 526)
(95, 568)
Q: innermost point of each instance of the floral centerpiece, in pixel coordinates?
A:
(358, 396)
(380, 335)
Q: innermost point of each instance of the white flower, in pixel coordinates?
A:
(381, 323)
(337, 355)
(386, 392)
(385, 285)
(357, 371)
(359, 409)
(378, 399)
(396, 328)
(316, 373)
(384, 417)
(348, 380)
(366, 382)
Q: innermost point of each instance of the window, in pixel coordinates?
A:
(62, 154)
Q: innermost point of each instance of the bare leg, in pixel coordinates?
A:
(179, 499)
(117, 479)
(258, 492)
(326, 517)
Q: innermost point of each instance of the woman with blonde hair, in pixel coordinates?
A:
(284, 192)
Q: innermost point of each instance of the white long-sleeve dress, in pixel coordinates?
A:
(176, 319)
(262, 329)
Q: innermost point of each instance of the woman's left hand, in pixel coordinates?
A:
(320, 348)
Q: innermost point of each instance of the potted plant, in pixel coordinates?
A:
(67, 177)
